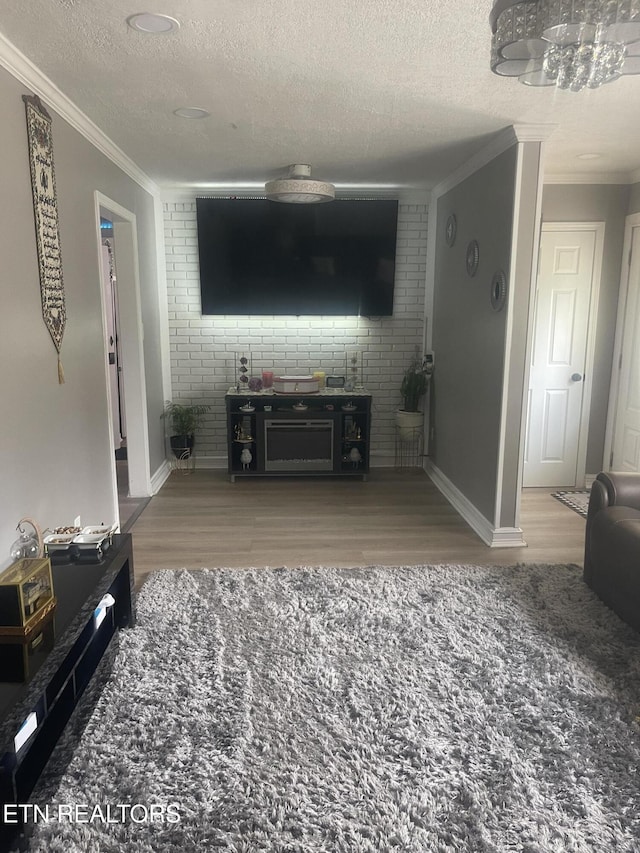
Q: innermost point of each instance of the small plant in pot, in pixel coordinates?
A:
(184, 420)
(413, 388)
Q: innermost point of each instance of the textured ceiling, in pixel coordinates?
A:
(393, 92)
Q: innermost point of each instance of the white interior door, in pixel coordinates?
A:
(626, 438)
(569, 267)
(108, 297)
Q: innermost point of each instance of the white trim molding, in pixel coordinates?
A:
(132, 335)
(589, 178)
(377, 460)
(218, 462)
(29, 75)
(494, 537)
(503, 140)
(160, 477)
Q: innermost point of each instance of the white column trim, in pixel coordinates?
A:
(494, 537)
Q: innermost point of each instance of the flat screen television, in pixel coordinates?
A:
(266, 257)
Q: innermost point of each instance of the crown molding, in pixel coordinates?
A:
(533, 132)
(17, 64)
(404, 195)
(503, 140)
(591, 178)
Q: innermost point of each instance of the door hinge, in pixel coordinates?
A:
(611, 460)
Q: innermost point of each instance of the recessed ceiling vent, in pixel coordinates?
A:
(299, 188)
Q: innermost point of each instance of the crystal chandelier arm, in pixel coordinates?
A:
(498, 8)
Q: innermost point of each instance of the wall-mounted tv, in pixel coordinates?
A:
(265, 257)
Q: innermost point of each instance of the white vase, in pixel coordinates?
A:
(410, 424)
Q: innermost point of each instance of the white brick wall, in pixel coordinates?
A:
(203, 349)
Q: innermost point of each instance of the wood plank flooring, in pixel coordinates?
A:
(395, 518)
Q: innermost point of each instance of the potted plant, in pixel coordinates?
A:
(185, 420)
(414, 385)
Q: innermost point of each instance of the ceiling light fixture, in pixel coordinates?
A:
(191, 112)
(300, 188)
(571, 44)
(147, 22)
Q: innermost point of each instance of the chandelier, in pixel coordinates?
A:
(571, 44)
(299, 188)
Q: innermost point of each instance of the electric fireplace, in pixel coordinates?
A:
(298, 445)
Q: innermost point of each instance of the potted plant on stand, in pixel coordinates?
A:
(185, 420)
(409, 419)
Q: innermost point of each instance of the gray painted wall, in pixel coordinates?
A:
(55, 451)
(468, 335)
(608, 203)
(634, 199)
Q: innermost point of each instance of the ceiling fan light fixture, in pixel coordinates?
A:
(299, 188)
(572, 44)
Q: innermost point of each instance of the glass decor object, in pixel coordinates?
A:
(571, 44)
(354, 370)
(29, 543)
(243, 369)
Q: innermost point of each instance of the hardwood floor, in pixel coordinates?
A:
(395, 518)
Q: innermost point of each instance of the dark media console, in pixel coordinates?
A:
(33, 714)
(290, 435)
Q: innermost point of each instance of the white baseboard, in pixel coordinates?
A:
(211, 461)
(588, 480)
(160, 477)
(382, 460)
(494, 537)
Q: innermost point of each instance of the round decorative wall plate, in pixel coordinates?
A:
(498, 290)
(473, 257)
(451, 230)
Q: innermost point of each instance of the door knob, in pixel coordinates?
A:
(576, 377)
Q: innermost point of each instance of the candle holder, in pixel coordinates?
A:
(354, 370)
(243, 369)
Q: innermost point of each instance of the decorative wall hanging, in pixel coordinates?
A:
(498, 290)
(473, 257)
(451, 230)
(45, 212)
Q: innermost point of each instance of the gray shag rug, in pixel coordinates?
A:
(439, 709)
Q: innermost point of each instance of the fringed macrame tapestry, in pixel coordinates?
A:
(45, 211)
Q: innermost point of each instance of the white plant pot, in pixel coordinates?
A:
(410, 424)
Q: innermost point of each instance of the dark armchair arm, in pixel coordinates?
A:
(620, 488)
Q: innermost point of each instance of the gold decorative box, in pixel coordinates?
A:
(26, 596)
(20, 656)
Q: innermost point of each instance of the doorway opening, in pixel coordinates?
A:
(124, 359)
(560, 378)
(114, 355)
